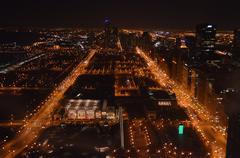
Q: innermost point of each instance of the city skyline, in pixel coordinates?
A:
(117, 79)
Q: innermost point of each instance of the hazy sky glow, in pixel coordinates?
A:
(129, 13)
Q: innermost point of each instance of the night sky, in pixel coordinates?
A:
(171, 14)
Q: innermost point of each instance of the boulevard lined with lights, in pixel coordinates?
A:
(199, 116)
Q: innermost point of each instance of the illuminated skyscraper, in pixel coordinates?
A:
(111, 34)
(205, 38)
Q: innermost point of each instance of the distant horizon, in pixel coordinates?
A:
(168, 15)
(101, 27)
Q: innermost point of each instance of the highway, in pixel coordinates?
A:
(41, 119)
(17, 65)
(12, 123)
(141, 140)
(214, 137)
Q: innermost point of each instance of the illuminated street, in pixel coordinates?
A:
(36, 124)
(116, 79)
(212, 134)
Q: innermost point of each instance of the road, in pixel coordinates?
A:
(199, 116)
(15, 66)
(41, 119)
(12, 123)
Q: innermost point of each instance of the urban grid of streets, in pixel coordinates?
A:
(36, 125)
(200, 118)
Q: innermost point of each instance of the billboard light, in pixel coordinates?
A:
(181, 129)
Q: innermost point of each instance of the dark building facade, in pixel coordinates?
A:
(236, 43)
(232, 109)
(236, 40)
(190, 42)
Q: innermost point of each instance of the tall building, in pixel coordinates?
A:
(236, 40)
(146, 40)
(236, 43)
(91, 38)
(128, 41)
(232, 109)
(205, 38)
(190, 42)
(111, 34)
